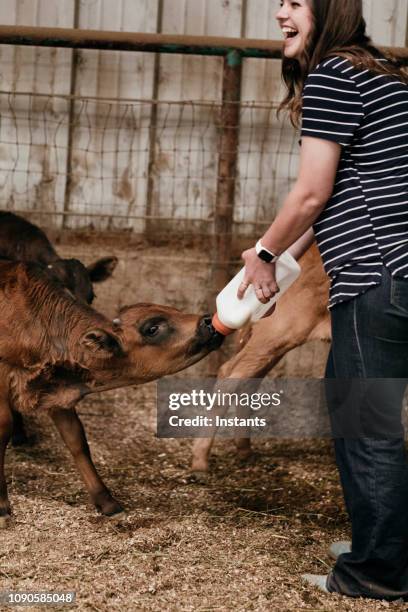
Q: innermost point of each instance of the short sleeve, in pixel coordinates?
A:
(332, 106)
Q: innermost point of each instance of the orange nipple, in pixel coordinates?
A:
(220, 327)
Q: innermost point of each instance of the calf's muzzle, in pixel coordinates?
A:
(207, 334)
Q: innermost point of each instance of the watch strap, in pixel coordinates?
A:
(264, 253)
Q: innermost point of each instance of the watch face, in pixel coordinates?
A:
(265, 256)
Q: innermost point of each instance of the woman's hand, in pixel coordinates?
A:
(259, 274)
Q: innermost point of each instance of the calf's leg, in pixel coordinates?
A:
(6, 428)
(19, 435)
(301, 316)
(252, 362)
(243, 446)
(72, 432)
(236, 369)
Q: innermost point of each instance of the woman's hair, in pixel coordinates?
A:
(338, 29)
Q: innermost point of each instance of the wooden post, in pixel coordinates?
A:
(71, 118)
(150, 224)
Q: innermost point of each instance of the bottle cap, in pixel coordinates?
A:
(220, 327)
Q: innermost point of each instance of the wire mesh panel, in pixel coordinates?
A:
(107, 185)
(33, 153)
(111, 140)
(269, 155)
(34, 143)
(184, 169)
(90, 167)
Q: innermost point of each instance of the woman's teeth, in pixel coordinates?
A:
(289, 32)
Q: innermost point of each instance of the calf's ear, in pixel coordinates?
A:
(102, 269)
(103, 343)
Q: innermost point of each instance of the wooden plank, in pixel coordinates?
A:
(227, 172)
(187, 144)
(34, 131)
(110, 153)
(406, 30)
(386, 21)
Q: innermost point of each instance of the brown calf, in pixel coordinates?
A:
(21, 240)
(55, 350)
(301, 315)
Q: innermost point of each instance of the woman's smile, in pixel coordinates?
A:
(296, 22)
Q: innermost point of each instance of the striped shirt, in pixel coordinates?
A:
(365, 223)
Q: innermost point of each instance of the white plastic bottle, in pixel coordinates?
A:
(232, 313)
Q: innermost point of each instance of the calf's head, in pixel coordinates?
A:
(150, 341)
(79, 279)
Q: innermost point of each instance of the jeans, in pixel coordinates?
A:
(370, 340)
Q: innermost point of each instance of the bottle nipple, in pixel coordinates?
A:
(220, 327)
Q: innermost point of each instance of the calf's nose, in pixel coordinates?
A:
(205, 326)
(206, 331)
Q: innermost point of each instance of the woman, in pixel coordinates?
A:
(353, 189)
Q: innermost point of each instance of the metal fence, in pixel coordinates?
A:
(83, 163)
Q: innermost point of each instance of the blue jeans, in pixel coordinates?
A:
(370, 341)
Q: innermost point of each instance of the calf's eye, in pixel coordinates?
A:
(152, 330)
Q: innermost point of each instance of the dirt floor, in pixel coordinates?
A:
(238, 542)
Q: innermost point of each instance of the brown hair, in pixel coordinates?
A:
(338, 29)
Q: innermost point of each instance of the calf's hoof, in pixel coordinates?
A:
(199, 476)
(200, 465)
(244, 450)
(118, 517)
(244, 454)
(5, 518)
(5, 521)
(107, 505)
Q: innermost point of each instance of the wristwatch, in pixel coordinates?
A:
(265, 254)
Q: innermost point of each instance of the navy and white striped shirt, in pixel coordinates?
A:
(365, 223)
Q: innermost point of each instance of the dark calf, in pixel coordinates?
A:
(21, 240)
(55, 350)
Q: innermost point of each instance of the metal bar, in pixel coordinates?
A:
(227, 169)
(158, 43)
(135, 41)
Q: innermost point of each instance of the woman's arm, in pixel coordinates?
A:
(298, 248)
(319, 160)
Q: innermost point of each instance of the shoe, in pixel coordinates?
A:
(316, 580)
(339, 548)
